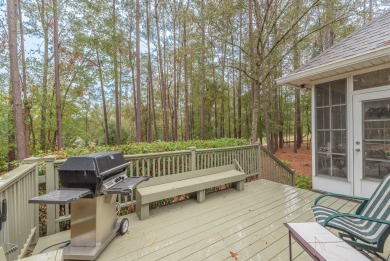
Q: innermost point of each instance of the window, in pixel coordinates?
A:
(376, 141)
(331, 128)
(371, 79)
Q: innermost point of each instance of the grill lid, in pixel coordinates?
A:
(90, 170)
(102, 163)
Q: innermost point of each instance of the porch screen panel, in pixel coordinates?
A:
(331, 128)
(371, 79)
(376, 141)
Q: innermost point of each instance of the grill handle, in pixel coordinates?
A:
(108, 172)
(127, 186)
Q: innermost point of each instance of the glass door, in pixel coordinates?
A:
(371, 116)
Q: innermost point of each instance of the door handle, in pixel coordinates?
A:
(357, 150)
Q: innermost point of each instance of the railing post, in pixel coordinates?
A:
(293, 178)
(258, 160)
(34, 160)
(50, 186)
(193, 158)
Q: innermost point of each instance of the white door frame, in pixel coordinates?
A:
(362, 187)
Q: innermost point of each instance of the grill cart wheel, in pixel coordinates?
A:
(124, 226)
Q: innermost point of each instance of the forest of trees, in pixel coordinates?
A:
(114, 72)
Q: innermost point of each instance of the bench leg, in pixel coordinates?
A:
(201, 196)
(142, 211)
(239, 185)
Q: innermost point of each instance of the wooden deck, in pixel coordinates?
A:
(248, 224)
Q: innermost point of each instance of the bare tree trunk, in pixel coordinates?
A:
(265, 101)
(27, 105)
(277, 117)
(116, 91)
(57, 76)
(203, 82)
(11, 156)
(371, 11)
(296, 62)
(222, 98)
(175, 111)
(162, 78)
(149, 106)
(234, 96)
(329, 33)
(281, 120)
(150, 79)
(107, 139)
(133, 81)
(329, 38)
(44, 77)
(138, 68)
(234, 107)
(247, 120)
(22, 148)
(216, 119)
(239, 88)
(186, 108)
(120, 90)
(254, 89)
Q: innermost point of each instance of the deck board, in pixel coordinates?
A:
(248, 223)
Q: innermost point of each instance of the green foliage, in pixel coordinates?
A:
(153, 147)
(286, 163)
(303, 182)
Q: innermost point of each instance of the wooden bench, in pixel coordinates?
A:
(197, 181)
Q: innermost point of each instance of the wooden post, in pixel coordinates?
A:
(258, 160)
(50, 186)
(34, 160)
(193, 158)
(293, 178)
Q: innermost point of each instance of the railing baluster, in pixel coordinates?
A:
(254, 159)
(137, 167)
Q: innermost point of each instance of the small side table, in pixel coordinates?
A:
(320, 243)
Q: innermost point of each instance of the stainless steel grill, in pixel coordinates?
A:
(90, 183)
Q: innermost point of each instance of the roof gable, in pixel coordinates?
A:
(370, 37)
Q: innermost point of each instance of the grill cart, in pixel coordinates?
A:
(90, 183)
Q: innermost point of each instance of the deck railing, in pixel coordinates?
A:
(22, 183)
(154, 165)
(274, 169)
(21, 226)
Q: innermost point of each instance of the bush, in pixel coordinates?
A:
(153, 147)
(286, 163)
(303, 182)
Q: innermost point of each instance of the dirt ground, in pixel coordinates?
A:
(300, 161)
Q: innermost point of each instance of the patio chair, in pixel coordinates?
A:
(369, 227)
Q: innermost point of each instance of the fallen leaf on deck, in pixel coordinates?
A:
(234, 255)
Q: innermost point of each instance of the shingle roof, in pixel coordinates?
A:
(372, 36)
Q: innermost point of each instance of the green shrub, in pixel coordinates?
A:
(286, 163)
(153, 147)
(303, 182)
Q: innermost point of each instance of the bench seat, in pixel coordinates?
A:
(159, 188)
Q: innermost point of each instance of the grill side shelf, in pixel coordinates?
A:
(127, 186)
(61, 196)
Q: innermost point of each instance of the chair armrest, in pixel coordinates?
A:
(359, 209)
(339, 196)
(337, 215)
